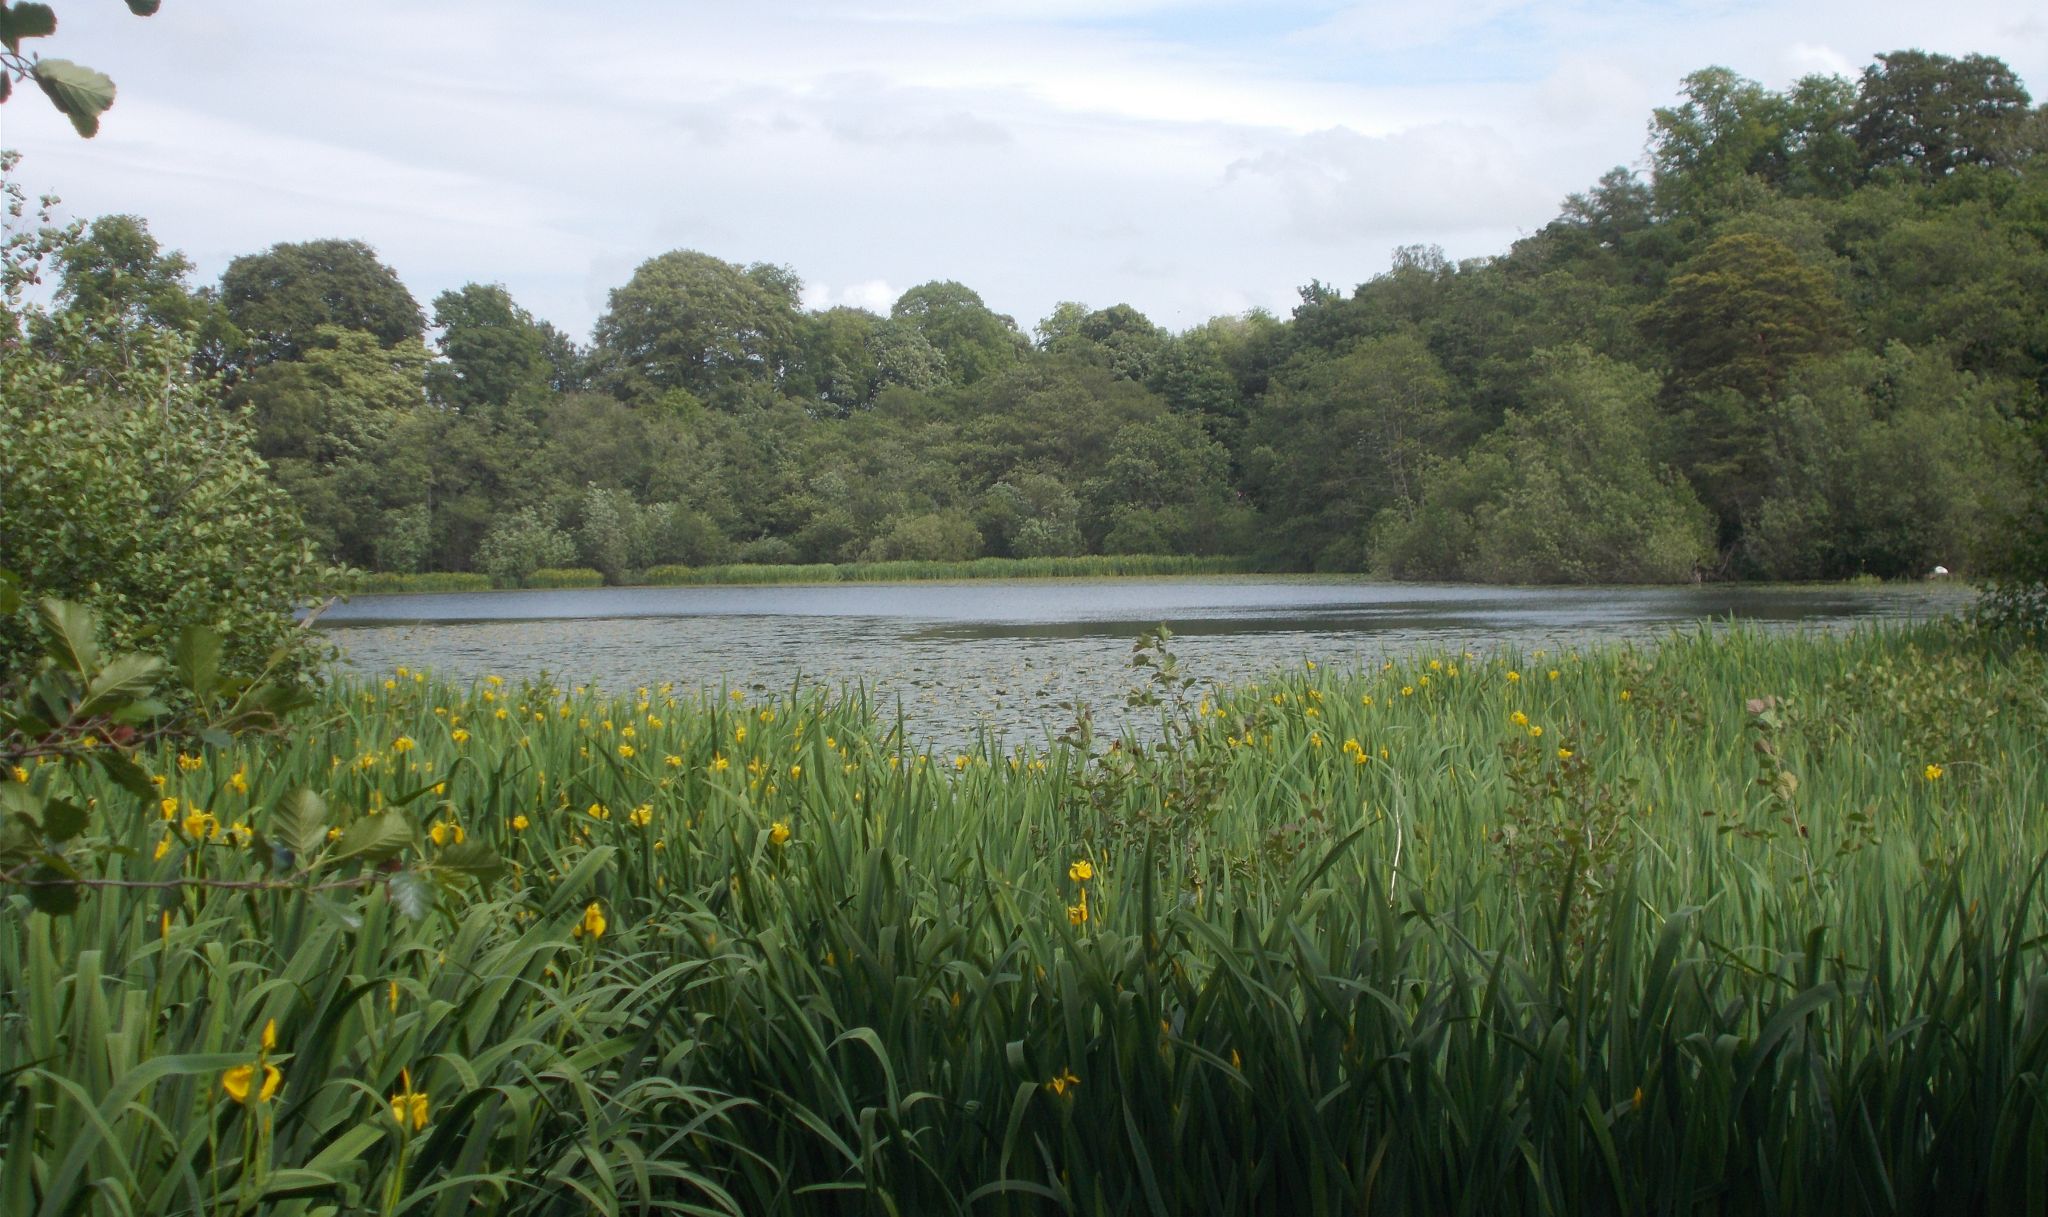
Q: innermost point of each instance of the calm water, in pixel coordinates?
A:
(1005, 654)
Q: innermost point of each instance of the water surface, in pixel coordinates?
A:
(1006, 654)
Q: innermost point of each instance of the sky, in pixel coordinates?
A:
(1192, 158)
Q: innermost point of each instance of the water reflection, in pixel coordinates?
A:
(1004, 656)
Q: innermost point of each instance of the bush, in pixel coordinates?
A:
(517, 545)
(124, 490)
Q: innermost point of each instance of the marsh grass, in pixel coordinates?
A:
(1685, 928)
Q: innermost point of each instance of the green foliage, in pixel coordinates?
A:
(282, 299)
(131, 493)
(1569, 491)
(80, 93)
(1262, 951)
(689, 321)
(522, 542)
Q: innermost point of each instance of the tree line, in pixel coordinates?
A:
(1807, 341)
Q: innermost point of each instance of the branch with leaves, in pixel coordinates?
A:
(80, 92)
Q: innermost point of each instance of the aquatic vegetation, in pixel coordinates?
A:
(1754, 922)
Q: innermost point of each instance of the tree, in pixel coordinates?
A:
(1567, 490)
(1742, 313)
(79, 92)
(974, 341)
(494, 355)
(280, 299)
(1935, 114)
(687, 320)
(1728, 129)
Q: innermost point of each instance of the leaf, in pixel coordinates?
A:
(472, 858)
(63, 820)
(52, 891)
(412, 894)
(144, 8)
(300, 823)
(374, 839)
(80, 92)
(10, 583)
(26, 21)
(74, 635)
(124, 678)
(198, 660)
(124, 772)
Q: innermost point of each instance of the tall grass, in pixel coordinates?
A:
(1736, 923)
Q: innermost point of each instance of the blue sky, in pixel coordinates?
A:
(1189, 157)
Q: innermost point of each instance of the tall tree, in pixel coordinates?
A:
(1936, 114)
(687, 320)
(974, 341)
(281, 298)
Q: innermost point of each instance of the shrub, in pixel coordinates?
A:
(124, 490)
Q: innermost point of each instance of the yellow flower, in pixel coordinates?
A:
(673, 762)
(1553, 673)
(626, 752)
(1932, 773)
(269, 1039)
(190, 763)
(1535, 732)
(170, 807)
(445, 831)
(1077, 914)
(520, 823)
(1366, 700)
(778, 833)
(1514, 677)
(739, 735)
(402, 744)
(1081, 871)
(1407, 690)
(240, 1083)
(598, 811)
(201, 825)
(1564, 754)
(21, 776)
(1315, 739)
(239, 783)
(593, 922)
(1624, 695)
(392, 997)
(719, 764)
(409, 1106)
(795, 772)
(1063, 1081)
(641, 815)
(1519, 719)
(163, 847)
(495, 681)
(1436, 665)
(459, 735)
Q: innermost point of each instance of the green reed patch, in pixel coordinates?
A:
(1732, 923)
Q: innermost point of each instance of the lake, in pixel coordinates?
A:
(1003, 655)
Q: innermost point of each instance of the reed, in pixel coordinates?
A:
(1733, 923)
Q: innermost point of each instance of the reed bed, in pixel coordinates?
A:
(1735, 923)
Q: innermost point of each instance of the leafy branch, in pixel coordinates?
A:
(81, 93)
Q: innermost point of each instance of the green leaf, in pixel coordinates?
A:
(10, 583)
(412, 894)
(473, 858)
(80, 92)
(300, 823)
(124, 678)
(74, 635)
(26, 21)
(373, 839)
(124, 772)
(198, 660)
(63, 820)
(52, 891)
(144, 8)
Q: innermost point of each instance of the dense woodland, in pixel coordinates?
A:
(1806, 341)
